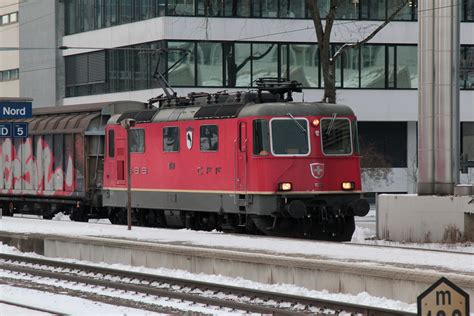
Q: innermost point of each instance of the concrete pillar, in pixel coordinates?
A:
(412, 172)
(426, 97)
(438, 96)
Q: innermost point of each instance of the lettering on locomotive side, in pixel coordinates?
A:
(139, 170)
(208, 170)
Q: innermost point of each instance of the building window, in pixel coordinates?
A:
(209, 138)
(347, 68)
(468, 10)
(209, 64)
(210, 8)
(85, 74)
(181, 63)
(11, 74)
(171, 139)
(265, 8)
(303, 60)
(137, 140)
(292, 9)
(467, 139)
(407, 67)
(238, 60)
(13, 17)
(373, 66)
(383, 144)
(14, 74)
(181, 7)
(86, 15)
(372, 10)
(230, 64)
(467, 67)
(264, 60)
(408, 13)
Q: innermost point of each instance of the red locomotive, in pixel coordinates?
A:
(249, 161)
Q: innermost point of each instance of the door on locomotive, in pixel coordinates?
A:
(241, 159)
(120, 161)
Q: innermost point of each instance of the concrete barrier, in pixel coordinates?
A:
(397, 283)
(413, 218)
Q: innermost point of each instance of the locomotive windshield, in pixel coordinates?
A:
(336, 134)
(290, 136)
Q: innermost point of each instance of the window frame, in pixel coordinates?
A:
(254, 138)
(290, 119)
(111, 144)
(163, 140)
(144, 147)
(209, 150)
(350, 135)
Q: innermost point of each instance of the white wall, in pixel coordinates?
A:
(9, 37)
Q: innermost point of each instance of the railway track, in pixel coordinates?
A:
(25, 308)
(214, 296)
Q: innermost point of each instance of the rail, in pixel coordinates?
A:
(209, 294)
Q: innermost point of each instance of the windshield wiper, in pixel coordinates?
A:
(296, 122)
(328, 131)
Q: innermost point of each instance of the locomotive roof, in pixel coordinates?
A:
(231, 106)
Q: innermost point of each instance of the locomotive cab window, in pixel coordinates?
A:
(289, 136)
(336, 136)
(137, 140)
(209, 138)
(171, 139)
(261, 138)
(111, 143)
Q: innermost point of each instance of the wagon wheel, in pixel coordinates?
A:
(11, 209)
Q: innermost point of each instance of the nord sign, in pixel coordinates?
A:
(443, 298)
(15, 110)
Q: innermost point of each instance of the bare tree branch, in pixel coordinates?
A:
(314, 12)
(330, 20)
(371, 35)
(246, 60)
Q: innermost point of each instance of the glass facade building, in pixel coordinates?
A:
(87, 15)
(221, 44)
(230, 64)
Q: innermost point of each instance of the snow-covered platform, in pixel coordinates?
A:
(392, 272)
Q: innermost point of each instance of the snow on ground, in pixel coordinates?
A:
(59, 303)
(8, 309)
(361, 298)
(367, 236)
(285, 246)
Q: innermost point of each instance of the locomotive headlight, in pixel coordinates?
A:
(315, 122)
(348, 185)
(284, 186)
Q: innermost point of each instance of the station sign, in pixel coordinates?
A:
(443, 298)
(5, 129)
(15, 110)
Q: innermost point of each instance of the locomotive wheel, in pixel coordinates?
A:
(11, 209)
(347, 229)
(79, 215)
(118, 216)
(151, 218)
